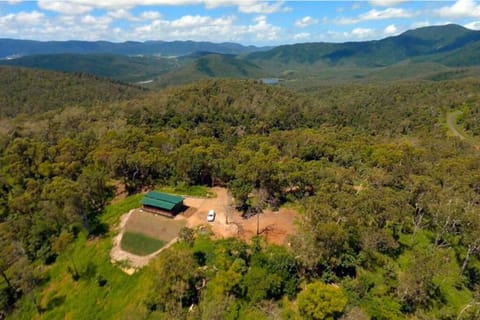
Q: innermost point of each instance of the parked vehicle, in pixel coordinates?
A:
(211, 215)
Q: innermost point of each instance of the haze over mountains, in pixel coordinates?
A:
(13, 47)
(435, 52)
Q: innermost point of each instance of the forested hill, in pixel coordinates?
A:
(207, 66)
(33, 91)
(428, 41)
(13, 47)
(388, 200)
(118, 67)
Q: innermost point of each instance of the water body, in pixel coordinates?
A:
(270, 80)
(144, 82)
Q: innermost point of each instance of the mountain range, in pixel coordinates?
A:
(434, 52)
(10, 48)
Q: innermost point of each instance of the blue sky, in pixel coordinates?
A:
(243, 21)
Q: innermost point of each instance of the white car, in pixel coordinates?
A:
(211, 215)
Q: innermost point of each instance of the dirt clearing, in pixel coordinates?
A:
(275, 227)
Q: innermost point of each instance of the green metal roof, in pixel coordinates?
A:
(158, 203)
(164, 197)
(161, 200)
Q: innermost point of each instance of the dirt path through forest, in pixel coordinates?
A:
(452, 121)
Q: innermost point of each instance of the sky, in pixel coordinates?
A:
(249, 22)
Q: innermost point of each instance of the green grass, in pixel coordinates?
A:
(184, 190)
(114, 211)
(122, 297)
(140, 244)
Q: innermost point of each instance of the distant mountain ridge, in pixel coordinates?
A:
(14, 47)
(429, 53)
(377, 53)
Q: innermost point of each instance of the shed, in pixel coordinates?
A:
(163, 203)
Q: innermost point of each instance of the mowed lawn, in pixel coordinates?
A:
(140, 244)
(146, 232)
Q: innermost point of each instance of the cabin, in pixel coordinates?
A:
(162, 203)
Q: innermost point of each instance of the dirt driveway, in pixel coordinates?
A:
(274, 226)
(220, 204)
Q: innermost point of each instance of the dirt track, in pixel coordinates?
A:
(451, 120)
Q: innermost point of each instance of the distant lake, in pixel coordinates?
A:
(144, 82)
(270, 80)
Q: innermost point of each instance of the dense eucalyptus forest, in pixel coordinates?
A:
(389, 200)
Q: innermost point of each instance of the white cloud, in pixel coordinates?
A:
(33, 17)
(262, 29)
(460, 9)
(390, 30)
(260, 7)
(362, 33)
(150, 15)
(247, 6)
(83, 6)
(390, 13)
(474, 25)
(35, 25)
(301, 36)
(385, 3)
(100, 22)
(21, 19)
(208, 29)
(14, 1)
(122, 14)
(64, 7)
(305, 22)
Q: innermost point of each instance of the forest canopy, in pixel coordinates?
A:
(389, 199)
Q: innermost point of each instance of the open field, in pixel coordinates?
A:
(140, 244)
(153, 225)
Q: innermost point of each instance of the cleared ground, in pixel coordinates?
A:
(154, 226)
(275, 227)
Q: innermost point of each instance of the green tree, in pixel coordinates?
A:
(174, 274)
(321, 301)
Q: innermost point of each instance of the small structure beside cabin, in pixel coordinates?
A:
(161, 203)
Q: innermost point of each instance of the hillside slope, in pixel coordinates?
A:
(411, 44)
(34, 91)
(118, 67)
(211, 66)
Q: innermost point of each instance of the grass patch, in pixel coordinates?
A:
(140, 244)
(154, 226)
(184, 190)
(114, 211)
(63, 298)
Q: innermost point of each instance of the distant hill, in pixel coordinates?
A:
(212, 66)
(15, 48)
(388, 51)
(122, 68)
(429, 53)
(31, 91)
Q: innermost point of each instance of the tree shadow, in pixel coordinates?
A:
(55, 302)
